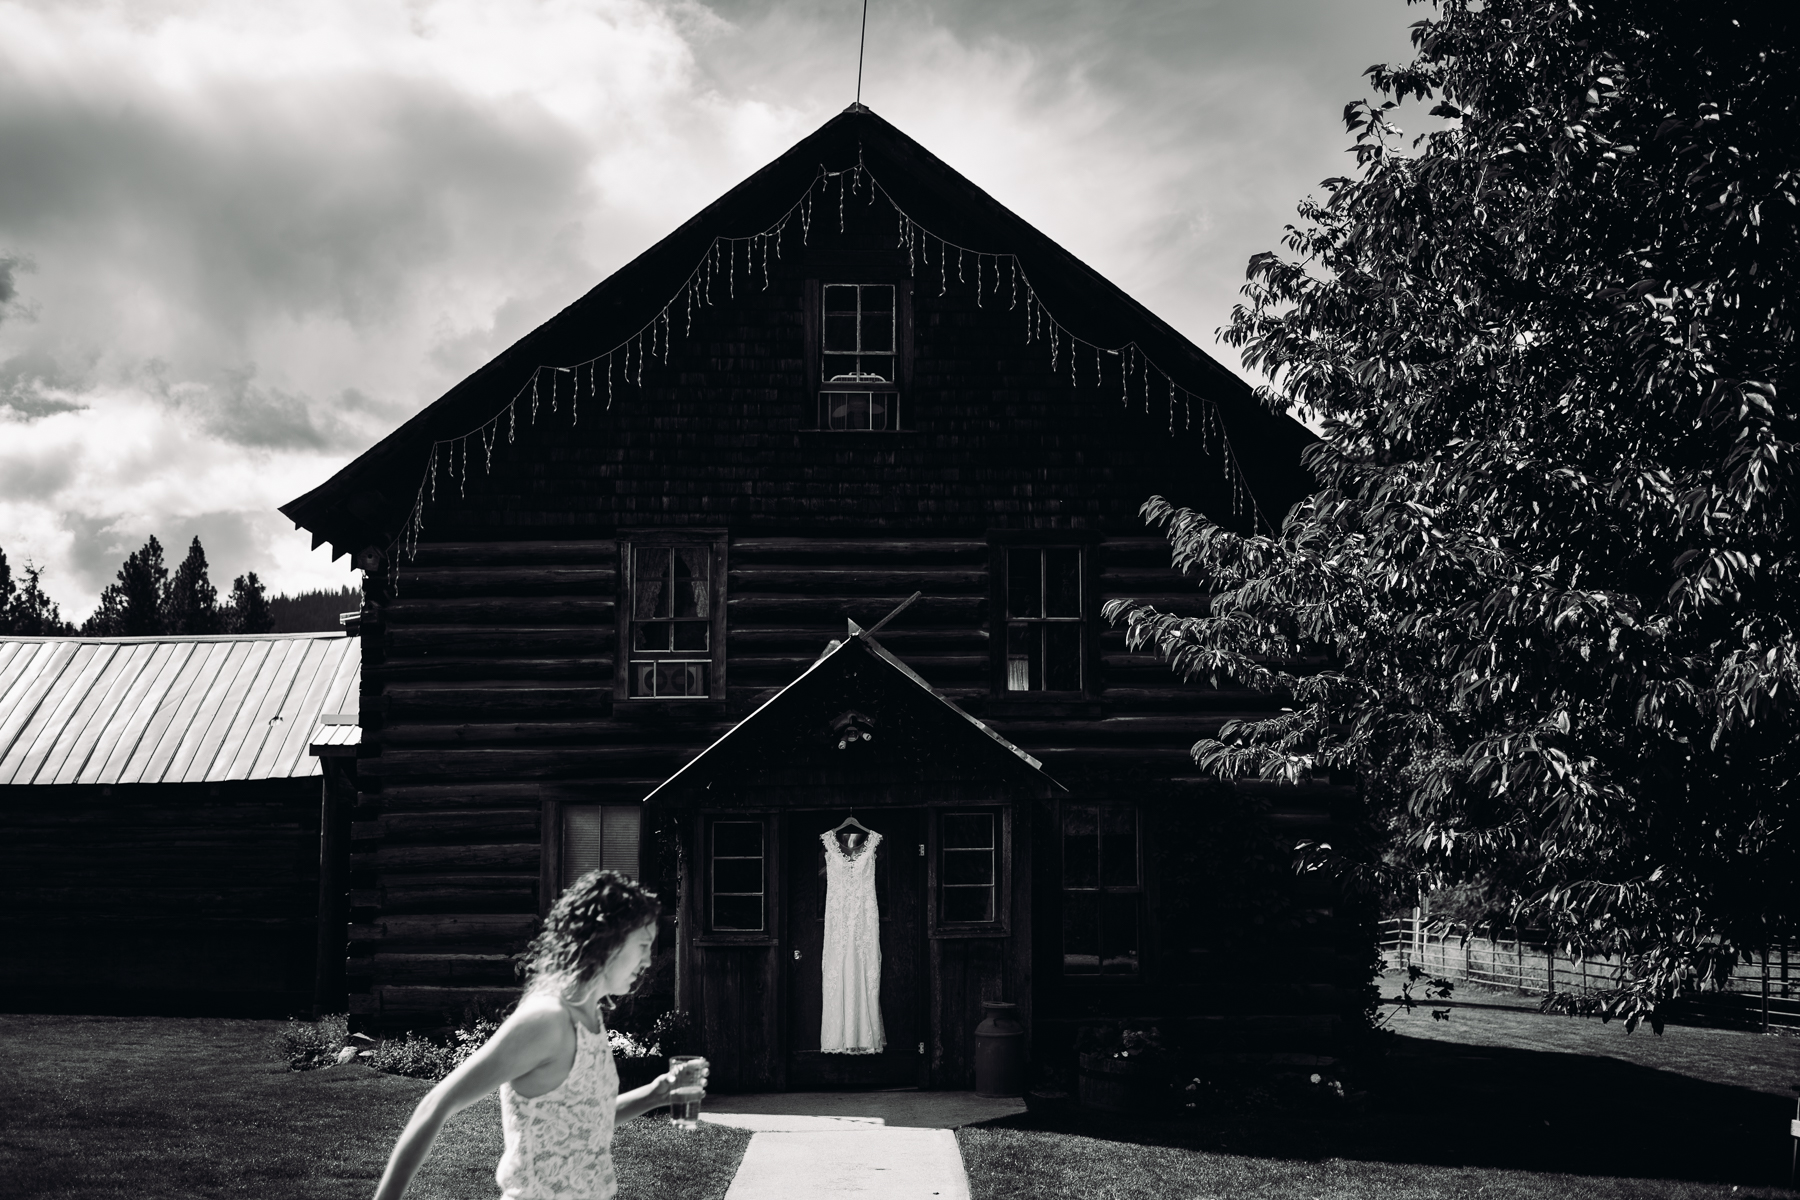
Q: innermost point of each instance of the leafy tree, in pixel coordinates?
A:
(248, 611)
(1543, 605)
(133, 606)
(190, 603)
(27, 611)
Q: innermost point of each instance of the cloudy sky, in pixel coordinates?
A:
(240, 242)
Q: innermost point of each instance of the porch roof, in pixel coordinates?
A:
(793, 722)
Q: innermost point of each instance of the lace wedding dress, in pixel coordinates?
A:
(851, 965)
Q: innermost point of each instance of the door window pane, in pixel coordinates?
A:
(969, 904)
(968, 866)
(737, 876)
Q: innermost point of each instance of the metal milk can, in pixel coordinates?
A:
(1000, 1051)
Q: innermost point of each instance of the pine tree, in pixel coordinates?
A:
(190, 603)
(27, 611)
(6, 594)
(132, 607)
(248, 611)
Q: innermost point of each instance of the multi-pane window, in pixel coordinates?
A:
(859, 357)
(1101, 889)
(739, 886)
(600, 837)
(1045, 619)
(672, 597)
(968, 868)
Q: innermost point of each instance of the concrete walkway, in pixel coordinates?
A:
(877, 1145)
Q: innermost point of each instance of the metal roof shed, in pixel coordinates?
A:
(160, 820)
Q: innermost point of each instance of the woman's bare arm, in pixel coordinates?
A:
(525, 1042)
(654, 1094)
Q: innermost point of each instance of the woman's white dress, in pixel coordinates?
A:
(851, 964)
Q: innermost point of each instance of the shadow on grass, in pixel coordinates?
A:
(1448, 1104)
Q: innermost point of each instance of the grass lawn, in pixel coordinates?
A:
(153, 1107)
(1490, 1103)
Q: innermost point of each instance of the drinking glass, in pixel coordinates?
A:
(684, 1100)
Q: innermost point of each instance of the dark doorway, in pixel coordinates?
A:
(900, 894)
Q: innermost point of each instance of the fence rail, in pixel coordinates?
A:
(1760, 991)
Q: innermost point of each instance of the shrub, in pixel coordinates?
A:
(422, 1058)
(304, 1045)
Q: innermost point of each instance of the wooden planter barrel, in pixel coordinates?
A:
(1123, 1085)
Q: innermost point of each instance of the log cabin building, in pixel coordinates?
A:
(622, 586)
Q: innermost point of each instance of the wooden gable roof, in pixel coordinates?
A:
(169, 709)
(919, 735)
(369, 501)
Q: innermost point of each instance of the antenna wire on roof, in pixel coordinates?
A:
(860, 43)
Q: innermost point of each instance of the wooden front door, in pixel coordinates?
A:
(900, 894)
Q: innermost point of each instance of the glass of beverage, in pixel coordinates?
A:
(690, 1089)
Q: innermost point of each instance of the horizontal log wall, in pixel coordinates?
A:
(456, 775)
(175, 898)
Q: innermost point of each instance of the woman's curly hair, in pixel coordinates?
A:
(588, 922)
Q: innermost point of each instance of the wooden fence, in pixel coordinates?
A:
(1760, 991)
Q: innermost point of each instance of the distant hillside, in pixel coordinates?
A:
(310, 611)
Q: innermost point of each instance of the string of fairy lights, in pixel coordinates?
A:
(998, 275)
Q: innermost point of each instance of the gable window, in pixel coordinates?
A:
(857, 340)
(673, 617)
(1102, 889)
(600, 837)
(1046, 619)
(738, 884)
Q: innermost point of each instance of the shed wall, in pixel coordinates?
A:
(173, 898)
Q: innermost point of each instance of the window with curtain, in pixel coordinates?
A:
(1046, 619)
(600, 837)
(1102, 889)
(672, 600)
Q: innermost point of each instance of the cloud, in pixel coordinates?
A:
(240, 243)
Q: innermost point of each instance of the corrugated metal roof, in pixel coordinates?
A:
(336, 737)
(169, 709)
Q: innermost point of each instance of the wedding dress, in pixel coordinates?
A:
(851, 965)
